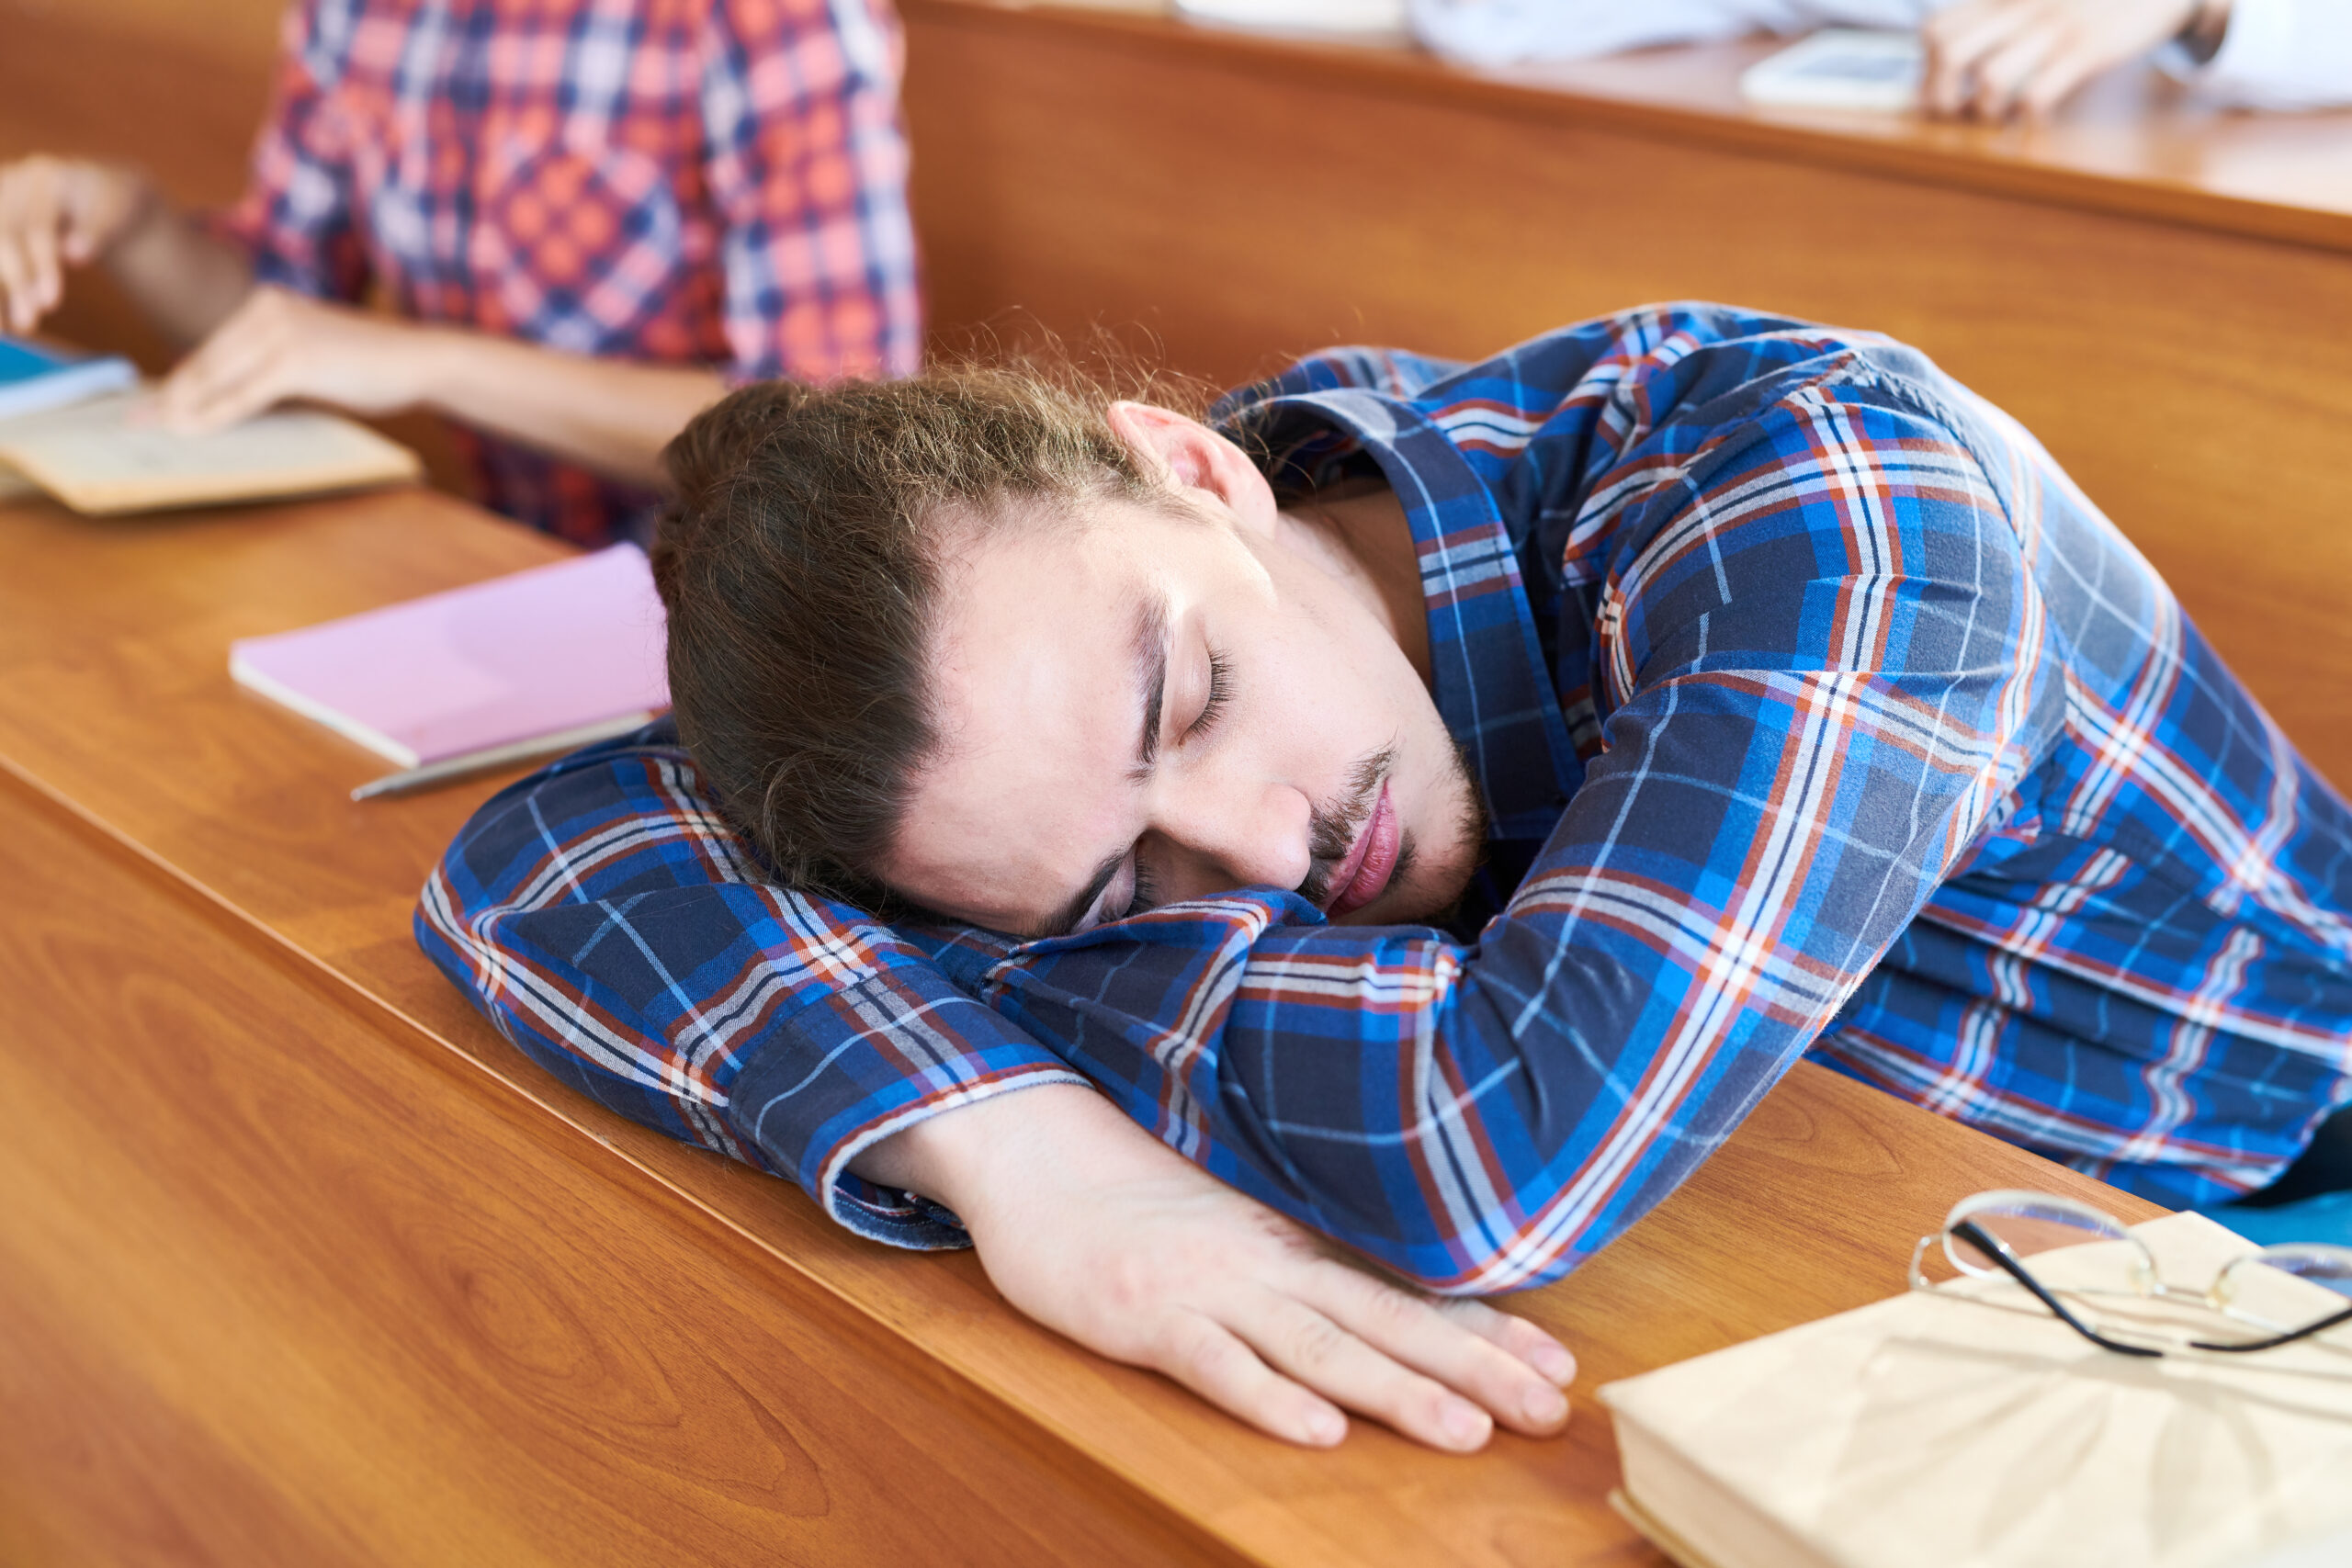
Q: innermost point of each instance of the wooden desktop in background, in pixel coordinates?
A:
(300, 1263)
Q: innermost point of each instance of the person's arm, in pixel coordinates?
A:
(610, 416)
(1825, 669)
(807, 170)
(57, 213)
(611, 925)
(2003, 59)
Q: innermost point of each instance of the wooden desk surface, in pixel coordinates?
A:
(300, 1262)
(2136, 140)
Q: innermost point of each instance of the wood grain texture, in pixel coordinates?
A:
(1243, 200)
(277, 1290)
(316, 1089)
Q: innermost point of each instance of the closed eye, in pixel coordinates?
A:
(1220, 690)
(1144, 896)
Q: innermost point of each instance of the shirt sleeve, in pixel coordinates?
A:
(1826, 669)
(294, 218)
(611, 925)
(2277, 54)
(807, 164)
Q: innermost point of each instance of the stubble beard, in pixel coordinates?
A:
(1334, 825)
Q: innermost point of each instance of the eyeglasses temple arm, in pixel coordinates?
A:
(2006, 1262)
(2277, 1339)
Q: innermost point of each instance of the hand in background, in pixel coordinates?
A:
(55, 213)
(1995, 58)
(1097, 1230)
(279, 346)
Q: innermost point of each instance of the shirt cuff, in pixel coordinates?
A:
(864, 1062)
(2261, 63)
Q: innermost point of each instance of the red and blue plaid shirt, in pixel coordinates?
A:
(1819, 711)
(686, 182)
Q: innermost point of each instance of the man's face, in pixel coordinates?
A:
(1144, 705)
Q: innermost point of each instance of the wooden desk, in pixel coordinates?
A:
(300, 1263)
(2163, 294)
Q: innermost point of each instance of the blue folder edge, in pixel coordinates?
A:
(34, 376)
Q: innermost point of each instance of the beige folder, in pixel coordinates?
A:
(1930, 1432)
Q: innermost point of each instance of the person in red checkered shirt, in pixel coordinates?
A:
(589, 218)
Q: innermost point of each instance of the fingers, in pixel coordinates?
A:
(2054, 81)
(1506, 1366)
(234, 374)
(1995, 59)
(1524, 1341)
(1208, 1358)
(1327, 1356)
(53, 211)
(2002, 73)
(30, 278)
(1977, 54)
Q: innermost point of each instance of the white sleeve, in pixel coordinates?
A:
(1502, 32)
(2277, 54)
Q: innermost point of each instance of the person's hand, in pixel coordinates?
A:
(278, 346)
(56, 212)
(1994, 59)
(1095, 1229)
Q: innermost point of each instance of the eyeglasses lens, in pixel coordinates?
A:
(2281, 1289)
(2034, 1228)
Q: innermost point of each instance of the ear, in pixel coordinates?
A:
(1188, 457)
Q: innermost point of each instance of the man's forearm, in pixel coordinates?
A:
(183, 279)
(955, 1157)
(610, 416)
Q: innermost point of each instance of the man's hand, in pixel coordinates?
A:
(1093, 1227)
(56, 212)
(279, 346)
(1994, 59)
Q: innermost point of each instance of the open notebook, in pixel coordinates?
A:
(104, 456)
(538, 662)
(1925, 1432)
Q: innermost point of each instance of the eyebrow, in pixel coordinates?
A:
(1150, 653)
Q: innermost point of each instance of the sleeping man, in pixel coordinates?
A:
(1436, 801)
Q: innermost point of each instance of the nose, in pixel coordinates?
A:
(1218, 836)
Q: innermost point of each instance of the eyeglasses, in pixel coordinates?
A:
(2101, 1281)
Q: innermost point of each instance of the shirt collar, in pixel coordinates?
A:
(1486, 661)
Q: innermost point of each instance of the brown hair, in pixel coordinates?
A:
(798, 567)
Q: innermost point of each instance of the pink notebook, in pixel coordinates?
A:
(545, 659)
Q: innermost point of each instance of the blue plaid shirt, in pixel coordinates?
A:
(1818, 712)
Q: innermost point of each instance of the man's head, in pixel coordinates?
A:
(1034, 659)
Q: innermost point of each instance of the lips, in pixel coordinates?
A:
(1363, 875)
